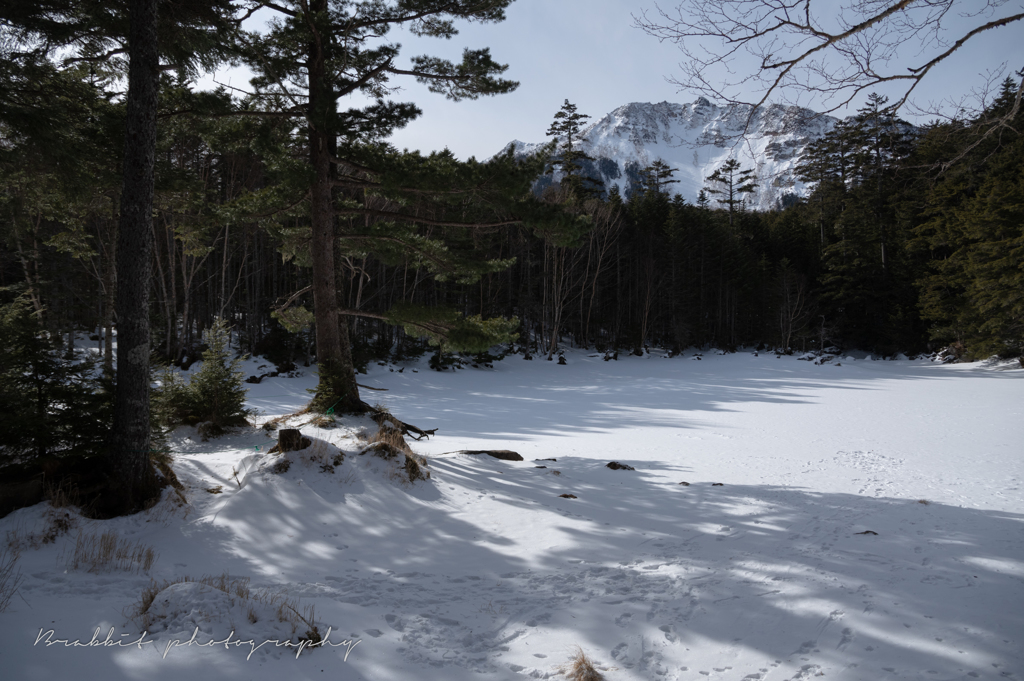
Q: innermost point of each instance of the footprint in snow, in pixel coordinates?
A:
(394, 622)
(805, 647)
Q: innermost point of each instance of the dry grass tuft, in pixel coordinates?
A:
(324, 455)
(107, 552)
(323, 421)
(62, 495)
(391, 437)
(580, 668)
(10, 576)
(162, 462)
(286, 610)
(58, 523)
(415, 468)
(388, 444)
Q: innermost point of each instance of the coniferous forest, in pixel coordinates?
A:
(287, 215)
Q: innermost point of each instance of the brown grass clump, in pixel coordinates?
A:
(415, 468)
(58, 523)
(285, 609)
(62, 495)
(323, 421)
(10, 576)
(107, 552)
(580, 668)
(162, 462)
(140, 614)
(324, 455)
(388, 444)
(392, 437)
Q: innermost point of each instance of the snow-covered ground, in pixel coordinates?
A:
(856, 520)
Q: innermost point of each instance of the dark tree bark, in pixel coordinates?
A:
(337, 388)
(130, 437)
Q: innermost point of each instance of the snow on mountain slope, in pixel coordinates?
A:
(698, 138)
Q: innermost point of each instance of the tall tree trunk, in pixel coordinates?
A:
(130, 437)
(337, 386)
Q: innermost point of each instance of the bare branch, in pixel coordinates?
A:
(279, 8)
(288, 303)
(97, 58)
(807, 50)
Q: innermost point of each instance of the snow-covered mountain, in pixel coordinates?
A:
(696, 139)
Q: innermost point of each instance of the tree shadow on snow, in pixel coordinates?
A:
(603, 396)
(757, 578)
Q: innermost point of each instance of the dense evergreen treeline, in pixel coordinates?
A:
(289, 218)
(910, 239)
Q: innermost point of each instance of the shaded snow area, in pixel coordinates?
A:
(855, 519)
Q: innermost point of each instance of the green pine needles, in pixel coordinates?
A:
(54, 411)
(215, 395)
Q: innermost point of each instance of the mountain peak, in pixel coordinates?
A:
(696, 139)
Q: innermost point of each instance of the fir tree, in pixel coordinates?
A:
(54, 412)
(731, 182)
(96, 33)
(360, 190)
(567, 127)
(657, 176)
(215, 395)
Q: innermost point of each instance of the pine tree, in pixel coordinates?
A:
(568, 127)
(994, 222)
(732, 183)
(215, 395)
(963, 222)
(362, 194)
(54, 412)
(95, 32)
(657, 176)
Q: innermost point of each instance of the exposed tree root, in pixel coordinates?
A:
(382, 416)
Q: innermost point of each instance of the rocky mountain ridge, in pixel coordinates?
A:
(695, 139)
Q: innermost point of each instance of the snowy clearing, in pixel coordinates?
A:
(855, 520)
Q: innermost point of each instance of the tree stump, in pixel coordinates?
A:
(291, 440)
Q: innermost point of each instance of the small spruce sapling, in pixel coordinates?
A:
(215, 394)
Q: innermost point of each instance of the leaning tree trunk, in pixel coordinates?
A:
(130, 437)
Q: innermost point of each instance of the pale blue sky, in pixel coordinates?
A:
(587, 51)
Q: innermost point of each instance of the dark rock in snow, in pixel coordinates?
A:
(503, 454)
(616, 466)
